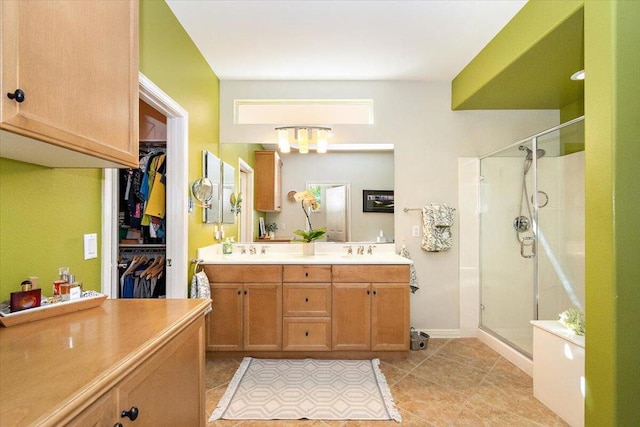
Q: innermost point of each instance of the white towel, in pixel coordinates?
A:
(200, 288)
(413, 280)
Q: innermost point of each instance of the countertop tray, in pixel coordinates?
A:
(51, 310)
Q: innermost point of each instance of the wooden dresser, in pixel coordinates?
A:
(87, 368)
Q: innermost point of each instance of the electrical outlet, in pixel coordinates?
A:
(415, 232)
(90, 246)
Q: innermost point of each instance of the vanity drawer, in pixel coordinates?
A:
(307, 334)
(226, 273)
(359, 273)
(301, 299)
(307, 273)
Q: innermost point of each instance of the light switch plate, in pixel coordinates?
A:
(90, 246)
(416, 231)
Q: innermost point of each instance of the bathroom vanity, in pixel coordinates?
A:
(328, 305)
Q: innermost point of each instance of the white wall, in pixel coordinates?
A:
(370, 171)
(428, 137)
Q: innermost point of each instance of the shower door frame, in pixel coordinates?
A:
(536, 290)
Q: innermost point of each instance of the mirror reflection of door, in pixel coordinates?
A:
(336, 207)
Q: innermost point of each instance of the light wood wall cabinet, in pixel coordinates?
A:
(370, 308)
(307, 307)
(69, 82)
(247, 308)
(268, 181)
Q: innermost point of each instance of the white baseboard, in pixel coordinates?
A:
(524, 363)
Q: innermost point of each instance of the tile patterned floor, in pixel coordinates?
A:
(454, 382)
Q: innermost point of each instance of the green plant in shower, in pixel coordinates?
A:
(573, 319)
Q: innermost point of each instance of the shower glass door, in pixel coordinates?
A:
(507, 259)
(532, 233)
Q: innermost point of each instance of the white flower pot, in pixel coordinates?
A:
(308, 249)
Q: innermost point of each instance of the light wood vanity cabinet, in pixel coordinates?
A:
(370, 307)
(307, 307)
(69, 82)
(247, 307)
(268, 181)
(297, 310)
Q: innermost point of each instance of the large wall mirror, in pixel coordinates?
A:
(211, 170)
(360, 170)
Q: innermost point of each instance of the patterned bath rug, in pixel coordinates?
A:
(264, 389)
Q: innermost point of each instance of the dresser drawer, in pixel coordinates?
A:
(307, 334)
(359, 273)
(307, 273)
(225, 273)
(302, 299)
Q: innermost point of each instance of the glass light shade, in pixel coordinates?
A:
(321, 144)
(283, 140)
(303, 141)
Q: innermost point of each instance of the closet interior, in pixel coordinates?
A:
(141, 213)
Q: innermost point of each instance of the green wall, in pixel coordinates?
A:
(43, 215)
(170, 59)
(44, 212)
(612, 91)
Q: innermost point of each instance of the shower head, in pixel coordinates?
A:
(539, 152)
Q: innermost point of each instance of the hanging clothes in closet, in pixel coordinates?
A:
(142, 277)
(142, 200)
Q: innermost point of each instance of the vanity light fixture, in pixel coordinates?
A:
(303, 136)
(578, 75)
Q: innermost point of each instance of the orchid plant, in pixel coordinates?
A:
(308, 201)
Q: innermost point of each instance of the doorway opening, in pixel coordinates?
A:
(177, 145)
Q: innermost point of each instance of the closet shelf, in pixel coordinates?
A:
(144, 246)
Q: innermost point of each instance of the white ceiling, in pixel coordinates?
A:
(428, 40)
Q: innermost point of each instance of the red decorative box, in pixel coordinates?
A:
(24, 300)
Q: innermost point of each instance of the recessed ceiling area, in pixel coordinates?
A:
(538, 77)
(342, 40)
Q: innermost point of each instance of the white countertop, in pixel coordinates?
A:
(556, 328)
(291, 253)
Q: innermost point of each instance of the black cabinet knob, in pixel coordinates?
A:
(306, 300)
(245, 292)
(375, 292)
(18, 95)
(306, 334)
(131, 413)
(368, 292)
(239, 292)
(306, 274)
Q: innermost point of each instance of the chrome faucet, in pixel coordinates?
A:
(243, 250)
(252, 250)
(263, 249)
(370, 249)
(360, 250)
(349, 250)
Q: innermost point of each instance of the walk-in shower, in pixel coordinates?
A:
(532, 233)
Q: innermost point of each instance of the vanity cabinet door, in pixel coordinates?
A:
(351, 316)
(224, 323)
(268, 181)
(390, 316)
(262, 318)
(76, 64)
(168, 389)
(100, 413)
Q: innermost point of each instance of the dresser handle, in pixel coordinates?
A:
(306, 300)
(306, 274)
(306, 334)
(131, 413)
(18, 95)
